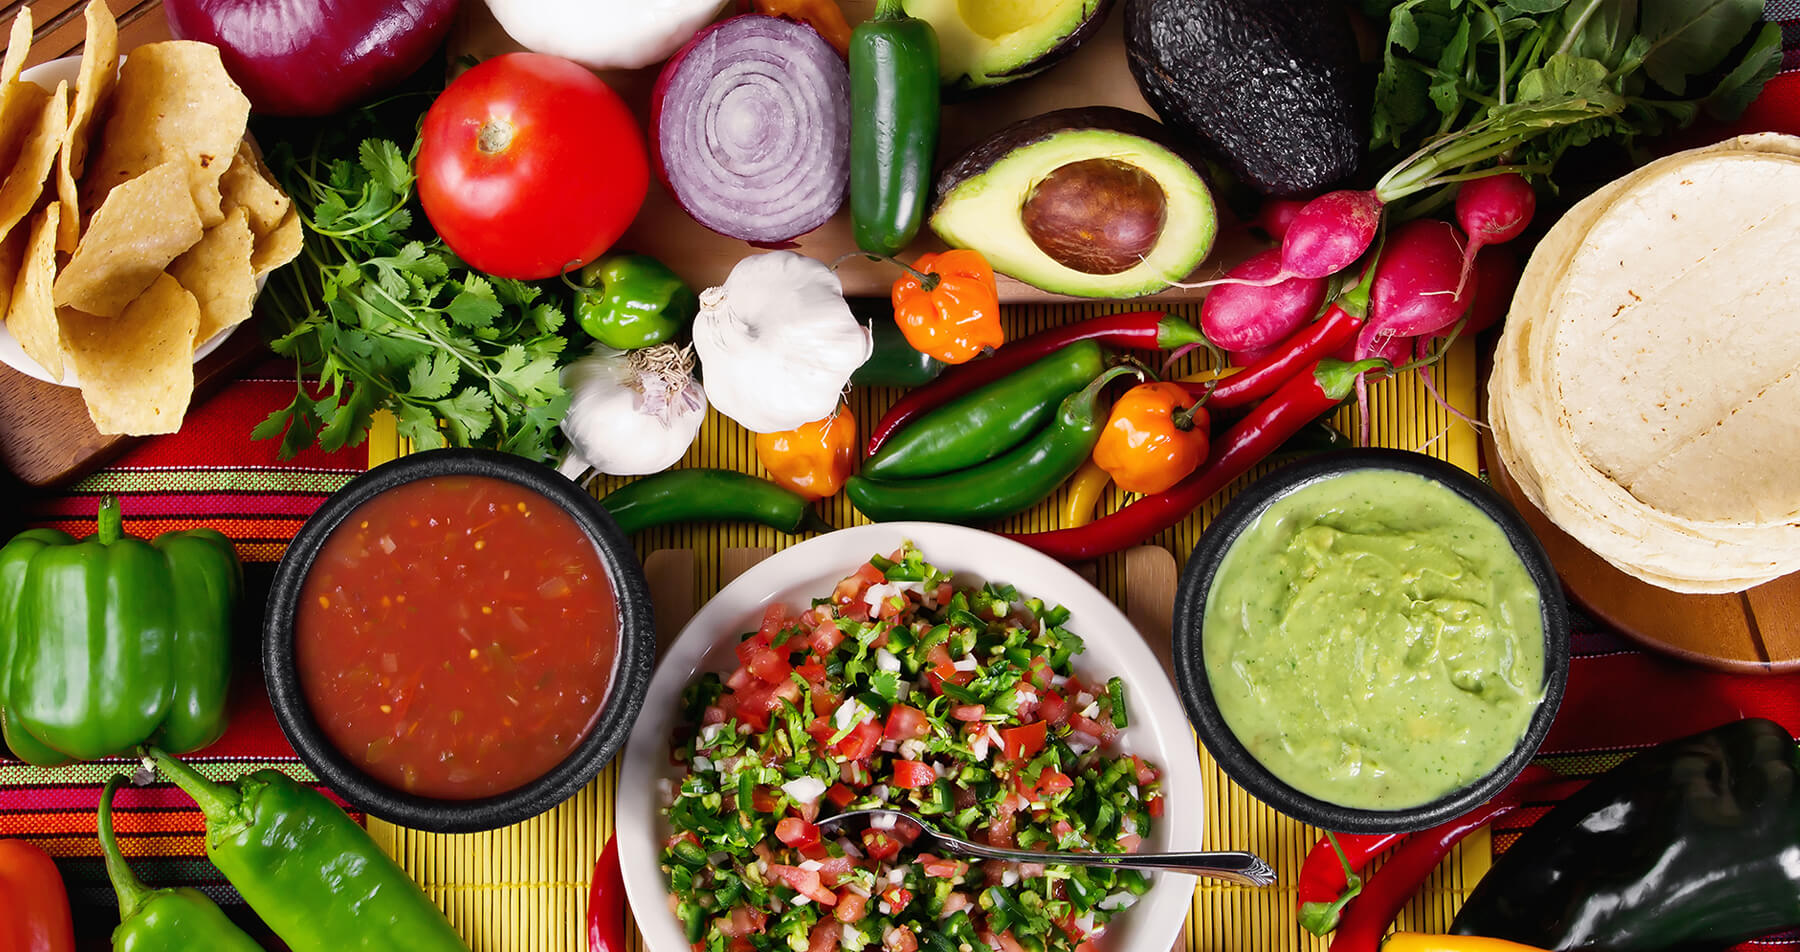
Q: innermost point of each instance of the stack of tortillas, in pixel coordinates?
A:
(1646, 389)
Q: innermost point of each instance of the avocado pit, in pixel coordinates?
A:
(1096, 216)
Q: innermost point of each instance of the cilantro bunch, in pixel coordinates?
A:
(379, 315)
(1515, 84)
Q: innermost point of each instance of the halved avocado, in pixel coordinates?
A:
(1087, 202)
(989, 42)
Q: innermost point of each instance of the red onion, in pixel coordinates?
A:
(314, 57)
(752, 128)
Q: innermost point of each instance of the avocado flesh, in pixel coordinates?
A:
(989, 42)
(983, 212)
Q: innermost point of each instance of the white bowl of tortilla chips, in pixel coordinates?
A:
(137, 222)
(1645, 389)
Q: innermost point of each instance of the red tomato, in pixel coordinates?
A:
(805, 882)
(900, 939)
(824, 937)
(911, 775)
(907, 723)
(1022, 743)
(771, 665)
(879, 845)
(840, 795)
(1053, 708)
(860, 743)
(530, 166)
(968, 713)
(1101, 729)
(850, 907)
(796, 832)
(743, 921)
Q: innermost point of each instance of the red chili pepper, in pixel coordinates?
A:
(1304, 398)
(1321, 338)
(1139, 330)
(606, 902)
(34, 910)
(1368, 917)
(1323, 877)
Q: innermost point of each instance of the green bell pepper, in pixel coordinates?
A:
(632, 301)
(1689, 845)
(174, 920)
(114, 641)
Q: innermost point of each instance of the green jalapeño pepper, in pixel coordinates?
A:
(709, 495)
(316, 878)
(162, 920)
(1689, 845)
(1002, 486)
(893, 127)
(631, 301)
(114, 641)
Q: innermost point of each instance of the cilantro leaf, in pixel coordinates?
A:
(474, 304)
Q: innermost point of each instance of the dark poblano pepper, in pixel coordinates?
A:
(1689, 845)
(162, 920)
(893, 126)
(632, 301)
(316, 878)
(114, 641)
(894, 362)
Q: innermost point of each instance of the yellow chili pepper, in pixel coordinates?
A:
(953, 313)
(813, 460)
(1422, 942)
(1154, 439)
(1086, 488)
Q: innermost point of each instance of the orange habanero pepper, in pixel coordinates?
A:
(822, 15)
(34, 910)
(1156, 436)
(953, 313)
(813, 460)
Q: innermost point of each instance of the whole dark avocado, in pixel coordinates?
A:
(1269, 86)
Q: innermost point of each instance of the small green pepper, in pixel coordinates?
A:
(893, 126)
(894, 362)
(161, 919)
(631, 301)
(709, 495)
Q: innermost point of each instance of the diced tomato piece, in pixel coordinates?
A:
(880, 845)
(833, 868)
(939, 667)
(968, 713)
(1070, 927)
(714, 714)
(1146, 774)
(1039, 672)
(743, 921)
(1153, 804)
(739, 679)
(1023, 743)
(825, 936)
(812, 671)
(861, 742)
(867, 572)
(670, 843)
(1008, 943)
(1061, 828)
(1087, 947)
(805, 882)
(907, 723)
(945, 591)
(776, 619)
(900, 939)
(1129, 842)
(764, 800)
(840, 795)
(850, 907)
(1000, 832)
(855, 773)
(820, 730)
(818, 853)
(825, 638)
(897, 898)
(881, 638)
(771, 665)
(824, 702)
(1053, 708)
(1051, 781)
(1102, 729)
(891, 607)
(911, 774)
(796, 832)
(942, 868)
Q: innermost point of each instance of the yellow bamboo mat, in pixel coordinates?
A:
(524, 888)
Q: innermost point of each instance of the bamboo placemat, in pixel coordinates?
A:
(524, 888)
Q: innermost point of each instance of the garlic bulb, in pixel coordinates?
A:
(777, 342)
(631, 412)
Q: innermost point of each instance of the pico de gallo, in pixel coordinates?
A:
(902, 688)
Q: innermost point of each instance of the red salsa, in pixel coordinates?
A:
(456, 636)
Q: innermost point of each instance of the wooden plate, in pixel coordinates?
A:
(1753, 632)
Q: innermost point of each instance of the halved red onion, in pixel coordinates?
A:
(752, 128)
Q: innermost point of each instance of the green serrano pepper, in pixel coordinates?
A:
(989, 420)
(316, 878)
(893, 126)
(1002, 486)
(709, 495)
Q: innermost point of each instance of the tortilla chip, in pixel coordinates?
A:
(142, 226)
(99, 70)
(278, 247)
(18, 47)
(25, 183)
(21, 108)
(30, 317)
(174, 103)
(12, 255)
(137, 370)
(246, 185)
(217, 272)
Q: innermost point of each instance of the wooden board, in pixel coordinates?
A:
(1095, 75)
(45, 435)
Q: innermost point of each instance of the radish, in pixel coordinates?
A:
(1493, 210)
(1248, 317)
(1277, 216)
(1496, 276)
(1415, 290)
(1248, 358)
(1326, 236)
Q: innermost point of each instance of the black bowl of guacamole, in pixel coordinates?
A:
(1371, 641)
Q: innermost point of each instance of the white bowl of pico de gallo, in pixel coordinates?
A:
(933, 668)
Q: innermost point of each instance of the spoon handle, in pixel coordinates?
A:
(1245, 869)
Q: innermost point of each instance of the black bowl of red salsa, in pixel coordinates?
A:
(458, 640)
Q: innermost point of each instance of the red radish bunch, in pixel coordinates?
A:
(1493, 210)
(1249, 317)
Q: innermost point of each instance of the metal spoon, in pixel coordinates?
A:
(1243, 868)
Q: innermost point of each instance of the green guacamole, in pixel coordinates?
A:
(1374, 641)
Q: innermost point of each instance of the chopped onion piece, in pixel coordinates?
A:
(804, 789)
